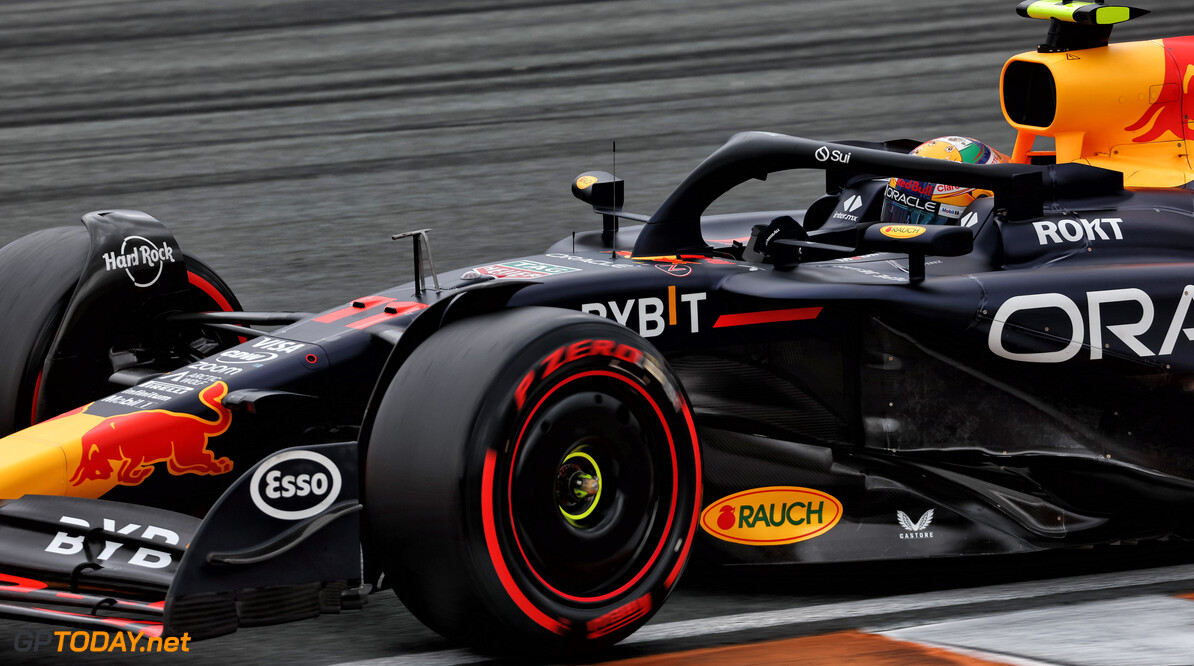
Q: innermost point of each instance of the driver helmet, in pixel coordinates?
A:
(917, 202)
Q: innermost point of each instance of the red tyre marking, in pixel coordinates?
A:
(36, 390)
(675, 486)
(696, 509)
(211, 291)
(619, 617)
(495, 552)
(214, 294)
(520, 393)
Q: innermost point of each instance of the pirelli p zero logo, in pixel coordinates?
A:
(772, 516)
(574, 352)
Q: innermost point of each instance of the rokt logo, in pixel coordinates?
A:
(1055, 233)
(772, 516)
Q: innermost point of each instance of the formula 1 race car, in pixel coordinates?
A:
(529, 450)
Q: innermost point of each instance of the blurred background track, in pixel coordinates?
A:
(284, 141)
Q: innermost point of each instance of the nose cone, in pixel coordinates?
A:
(38, 460)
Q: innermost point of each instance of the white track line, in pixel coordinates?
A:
(858, 611)
(1154, 629)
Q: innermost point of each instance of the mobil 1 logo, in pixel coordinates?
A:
(293, 485)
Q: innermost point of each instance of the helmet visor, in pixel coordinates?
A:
(908, 208)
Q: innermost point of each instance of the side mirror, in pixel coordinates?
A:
(917, 241)
(600, 190)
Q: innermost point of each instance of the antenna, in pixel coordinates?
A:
(421, 242)
(614, 172)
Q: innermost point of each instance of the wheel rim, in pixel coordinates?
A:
(578, 487)
(603, 435)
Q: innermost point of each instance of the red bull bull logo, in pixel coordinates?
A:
(130, 445)
(1165, 118)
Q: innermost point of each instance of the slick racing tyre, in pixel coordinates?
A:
(38, 275)
(532, 481)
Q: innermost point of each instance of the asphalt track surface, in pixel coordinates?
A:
(284, 141)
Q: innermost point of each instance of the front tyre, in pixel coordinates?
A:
(38, 276)
(532, 481)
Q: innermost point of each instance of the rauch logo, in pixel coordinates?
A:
(772, 516)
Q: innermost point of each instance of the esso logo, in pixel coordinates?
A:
(294, 485)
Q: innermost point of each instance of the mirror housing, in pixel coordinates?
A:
(938, 241)
(600, 190)
(917, 241)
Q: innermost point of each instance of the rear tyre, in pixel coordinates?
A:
(532, 481)
(38, 274)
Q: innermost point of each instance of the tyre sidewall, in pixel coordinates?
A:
(38, 273)
(552, 350)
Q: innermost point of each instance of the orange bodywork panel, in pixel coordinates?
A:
(1123, 107)
(40, 460)
(86, 455)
